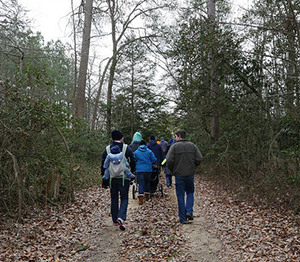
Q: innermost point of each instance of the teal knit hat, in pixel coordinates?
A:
(137, 137)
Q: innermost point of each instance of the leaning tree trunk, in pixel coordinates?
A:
(85, 48)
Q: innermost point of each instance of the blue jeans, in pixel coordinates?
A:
(184, 185)
(144, 182)
(116, 188)
(168, 176)
(169, 180)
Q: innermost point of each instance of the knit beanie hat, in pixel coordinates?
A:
(137, 137)
(143, 142)
(152, 137)
(116, 134)
(115, 150)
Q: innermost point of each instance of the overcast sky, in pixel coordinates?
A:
(50, 16)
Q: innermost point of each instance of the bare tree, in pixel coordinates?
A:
(84, 57)
(123, 21)
(215, 120)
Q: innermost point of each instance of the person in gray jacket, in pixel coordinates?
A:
(182, 159)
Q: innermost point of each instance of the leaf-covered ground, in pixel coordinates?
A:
(224, 229)
(249, 232)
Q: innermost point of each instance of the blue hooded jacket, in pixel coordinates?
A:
(144, 159)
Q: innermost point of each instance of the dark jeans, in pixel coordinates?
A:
(169, 180)
(117, 188)
(144, 182)
(168, 176)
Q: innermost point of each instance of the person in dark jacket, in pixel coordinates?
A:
(167, 170)
(145, 158)
(119, 185)
(163, 145)
(156, 149)
(182, 159)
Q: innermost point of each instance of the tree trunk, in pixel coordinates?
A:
(118, 16)
(109, 94)
(291, 81)
(85, 48)
(75, 58)
(112, 8)
(214, 88)
(98, 95)
(19, 183)
(132, 122)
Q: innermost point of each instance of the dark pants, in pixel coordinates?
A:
(168, 176)
(144, 182)
(117, 188)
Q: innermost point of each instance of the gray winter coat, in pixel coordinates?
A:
(183, 157)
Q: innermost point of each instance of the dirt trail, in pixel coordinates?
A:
(200, 244)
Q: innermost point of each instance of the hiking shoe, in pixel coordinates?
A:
(189, 216)
(185, 222)
(121, 223)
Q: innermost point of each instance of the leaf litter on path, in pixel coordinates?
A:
(224, 229)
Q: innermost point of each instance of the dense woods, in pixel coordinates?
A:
(231, 81)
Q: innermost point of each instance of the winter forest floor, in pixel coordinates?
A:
(224, 229)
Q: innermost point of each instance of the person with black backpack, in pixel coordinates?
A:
(119, 186)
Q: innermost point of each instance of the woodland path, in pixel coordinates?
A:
(192, 242)
(225, 229)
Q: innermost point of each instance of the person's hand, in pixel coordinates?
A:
(105, 184)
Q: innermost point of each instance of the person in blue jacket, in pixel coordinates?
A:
(144, 158)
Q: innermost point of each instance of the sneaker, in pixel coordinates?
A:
(116, 223)
(189, 216)
(121, 224)
(185, 222)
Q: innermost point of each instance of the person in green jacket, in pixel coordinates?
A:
(182, 159)
(136, 140)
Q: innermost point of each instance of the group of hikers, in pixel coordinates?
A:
(120, 164)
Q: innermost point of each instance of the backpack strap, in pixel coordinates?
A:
(124, 149)
(108, 149)
(124, 160)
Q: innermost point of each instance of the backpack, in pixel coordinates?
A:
(116, 170)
